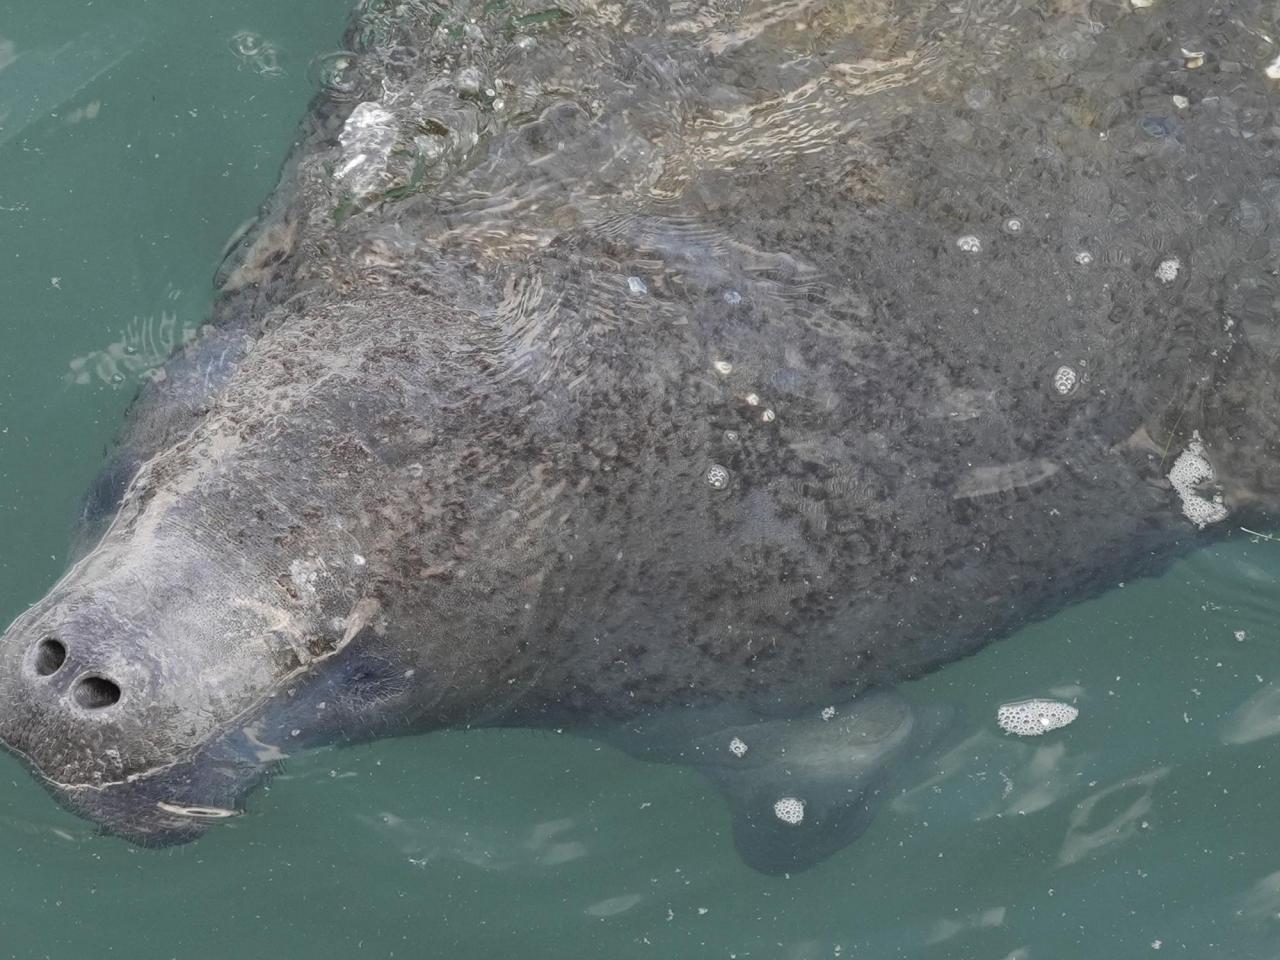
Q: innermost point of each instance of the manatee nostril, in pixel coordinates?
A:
(93, 693)
(50, 655)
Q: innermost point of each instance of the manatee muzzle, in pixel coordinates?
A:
(175, 804)
(125, 726)
(122, 731)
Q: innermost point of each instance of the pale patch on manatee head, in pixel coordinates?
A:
(304, 574)
(274, 619)
(279, 624)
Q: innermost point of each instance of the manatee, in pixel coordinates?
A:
(685, 375)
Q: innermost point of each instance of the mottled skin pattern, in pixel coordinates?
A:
(442, 457)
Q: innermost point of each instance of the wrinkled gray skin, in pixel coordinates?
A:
(443, 455)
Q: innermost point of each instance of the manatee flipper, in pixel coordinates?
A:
(799, 788)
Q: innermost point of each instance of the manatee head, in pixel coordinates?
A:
(141, 689)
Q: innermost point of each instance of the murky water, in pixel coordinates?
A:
(136, 140)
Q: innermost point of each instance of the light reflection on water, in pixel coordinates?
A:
(1147, 822)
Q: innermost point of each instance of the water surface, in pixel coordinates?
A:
(136, 139)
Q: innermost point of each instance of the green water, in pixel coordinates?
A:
(135, 139)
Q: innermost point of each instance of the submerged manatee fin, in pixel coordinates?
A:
(799, 788)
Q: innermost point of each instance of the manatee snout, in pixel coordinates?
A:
(128, 692)
(79, 695)
(71, 711)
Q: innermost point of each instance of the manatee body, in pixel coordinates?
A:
(669, 373)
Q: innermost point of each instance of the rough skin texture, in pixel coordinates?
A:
(531, 273)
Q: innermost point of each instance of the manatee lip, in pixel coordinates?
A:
(133, 818)
(156, 808)
(172, 805)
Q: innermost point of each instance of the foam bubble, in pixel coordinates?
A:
(1065, 380)
(789, 810)
(1168, 270)
(718, 476)
(1190, 470)
(737, 747)
(1031, 718)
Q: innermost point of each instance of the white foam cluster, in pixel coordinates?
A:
(1167, 272)
(718, 476)
(789, 810)
(969, 243)
(1065, 380)
(1190, 470)
(1031, 718)
(737, 747)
